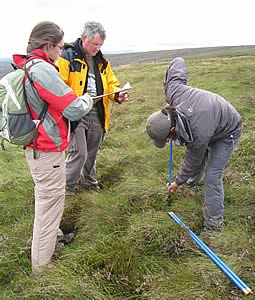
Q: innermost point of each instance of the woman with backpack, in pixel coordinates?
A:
(45, 154)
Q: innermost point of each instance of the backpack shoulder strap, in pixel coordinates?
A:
(45, 106)
(71, 53)
(43, 112)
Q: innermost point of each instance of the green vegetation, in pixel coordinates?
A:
(126, 246)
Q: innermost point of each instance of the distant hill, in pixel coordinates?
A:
(143, 57)
(5, 66)
(157, 56)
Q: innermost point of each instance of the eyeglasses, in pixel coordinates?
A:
(61, 48)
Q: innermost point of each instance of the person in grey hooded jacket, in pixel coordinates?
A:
(209, 127)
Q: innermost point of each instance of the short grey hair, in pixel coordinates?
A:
(90, 28)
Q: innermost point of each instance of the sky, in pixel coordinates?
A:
(133, 25)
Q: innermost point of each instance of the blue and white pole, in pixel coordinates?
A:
(232, 276)
(170, 162)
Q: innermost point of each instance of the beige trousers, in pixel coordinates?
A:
(49, 176)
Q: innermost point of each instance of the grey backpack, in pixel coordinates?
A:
(16, 123)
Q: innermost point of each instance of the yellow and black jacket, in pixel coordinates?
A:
(74, 70)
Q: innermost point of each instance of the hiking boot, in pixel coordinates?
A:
(71, 191)
(65, 238)
(92, 187)
(209, 233)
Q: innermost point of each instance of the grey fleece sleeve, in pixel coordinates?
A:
(193, 162)
(78, 108)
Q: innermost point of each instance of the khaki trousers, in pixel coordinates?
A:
(49, 176)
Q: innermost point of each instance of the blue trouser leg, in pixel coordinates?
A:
(219, 154)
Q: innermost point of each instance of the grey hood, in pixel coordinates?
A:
(176, 74)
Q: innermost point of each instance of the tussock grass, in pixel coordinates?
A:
(126, 246)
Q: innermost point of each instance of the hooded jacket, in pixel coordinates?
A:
(75, 75)
(62, 102)
(210, 116)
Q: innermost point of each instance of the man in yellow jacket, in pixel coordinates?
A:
(84, 68)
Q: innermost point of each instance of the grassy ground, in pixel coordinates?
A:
(126, 246)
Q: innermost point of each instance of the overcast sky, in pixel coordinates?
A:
(133, 25)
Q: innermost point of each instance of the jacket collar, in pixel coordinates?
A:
(20, 59)
(183, 130)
